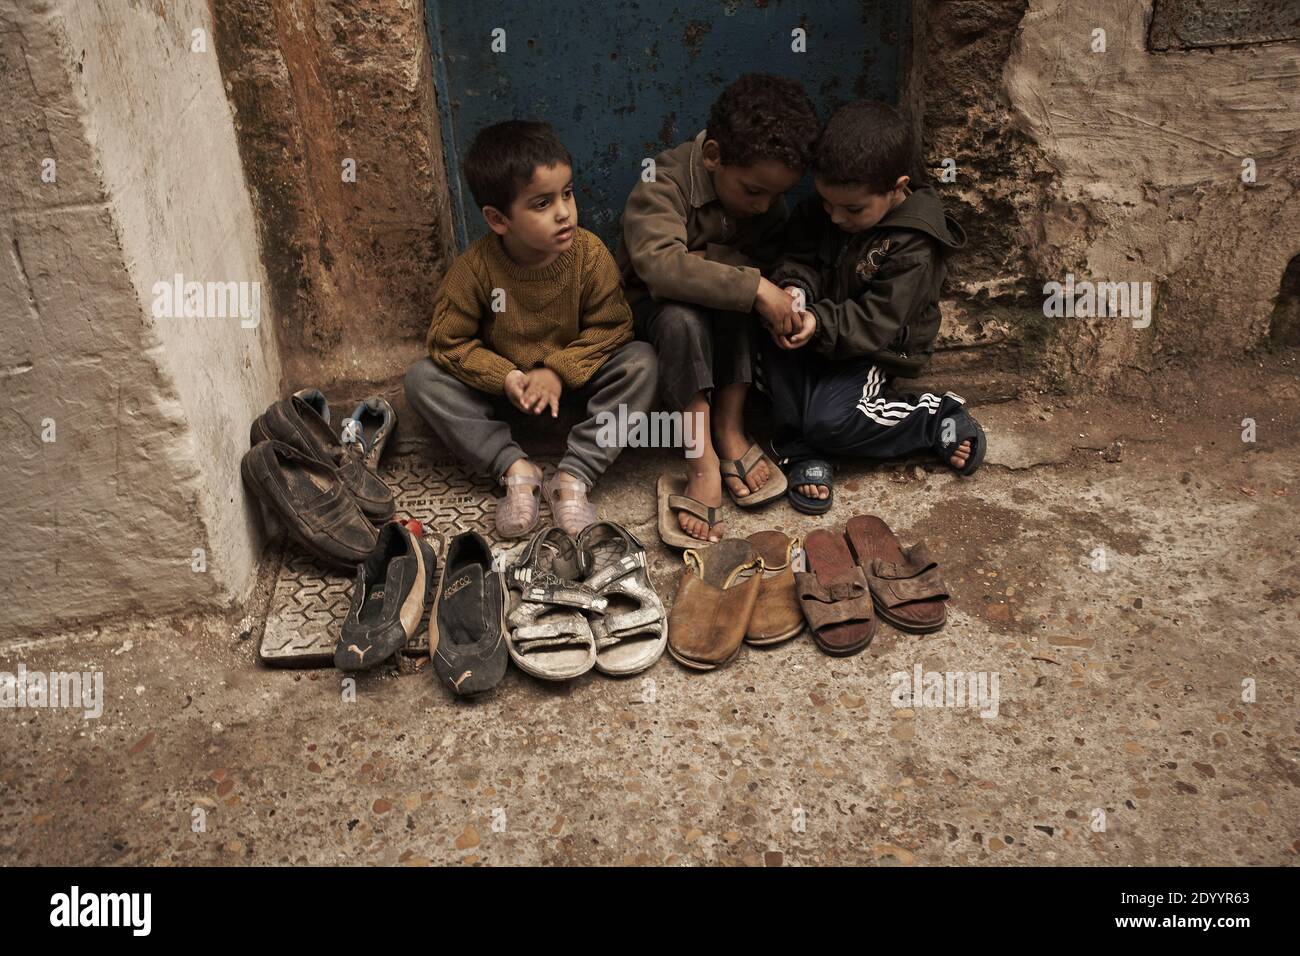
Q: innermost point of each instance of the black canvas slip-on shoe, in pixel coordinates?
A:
(467, 628)
(389, 596)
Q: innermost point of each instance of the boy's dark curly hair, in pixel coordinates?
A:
(760, 117)
(502, 158)
(866, 143)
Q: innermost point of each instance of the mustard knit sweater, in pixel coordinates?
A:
(493, 316)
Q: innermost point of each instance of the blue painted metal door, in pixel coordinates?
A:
(621, 80)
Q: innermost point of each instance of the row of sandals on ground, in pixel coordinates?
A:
(713, 282)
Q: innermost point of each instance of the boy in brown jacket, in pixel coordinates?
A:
(532, 311)
(697, 234)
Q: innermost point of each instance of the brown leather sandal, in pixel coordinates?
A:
(906, 586)
(776, 616)
(715, 599)
(834, 595)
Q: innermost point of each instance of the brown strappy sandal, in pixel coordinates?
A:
(906, 585)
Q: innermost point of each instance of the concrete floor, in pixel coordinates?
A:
(1120, 691)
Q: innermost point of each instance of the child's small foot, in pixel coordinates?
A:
(570, 509)
(811, 491)
(518, 511)
(705, 487)
(965, 448)
(734, 445)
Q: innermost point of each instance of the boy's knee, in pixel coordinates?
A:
(642, 363)
(682, 325)
(826, 429)
(421, 378)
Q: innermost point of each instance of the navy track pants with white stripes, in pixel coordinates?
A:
(822, 408)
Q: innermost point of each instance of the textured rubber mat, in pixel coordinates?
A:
(310, 603)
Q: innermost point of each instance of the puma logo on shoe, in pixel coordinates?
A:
(361, 655)
(461, 679)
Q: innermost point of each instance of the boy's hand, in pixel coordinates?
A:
(776, 308)
(804, 332)
(516, 381)
(542, 388)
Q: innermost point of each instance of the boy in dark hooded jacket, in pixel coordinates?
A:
(864, 262)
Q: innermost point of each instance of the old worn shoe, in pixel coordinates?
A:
(302, 422)
(467, 629)
(305, 496)
(366, 431)
(388, 599)
(715, 600)
(776, 616)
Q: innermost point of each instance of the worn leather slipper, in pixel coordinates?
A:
(776, 616)
(834, 595)
(906, 586)
(714, 602)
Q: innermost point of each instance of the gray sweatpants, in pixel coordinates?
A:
(466, 419)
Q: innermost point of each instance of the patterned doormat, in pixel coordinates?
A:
(309, 603)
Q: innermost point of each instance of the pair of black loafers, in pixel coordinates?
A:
(322, 489)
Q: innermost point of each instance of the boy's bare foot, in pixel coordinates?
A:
(704, 486)
(733, 444)
(813, 491)
(959, 456)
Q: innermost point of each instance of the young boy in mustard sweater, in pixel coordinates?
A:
(533, 311)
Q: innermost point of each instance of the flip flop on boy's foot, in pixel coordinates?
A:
(810, 471)
(966, 430)
(739, 468)
(672, 497)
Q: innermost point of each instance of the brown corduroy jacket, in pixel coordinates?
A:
(678, 213)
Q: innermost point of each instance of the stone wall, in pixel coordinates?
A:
(119, 156)
(352, 264)
(1122, 165)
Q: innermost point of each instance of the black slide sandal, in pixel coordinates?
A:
(810, 471)
(967, 430)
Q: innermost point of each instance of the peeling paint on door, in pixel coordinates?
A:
(622, 80)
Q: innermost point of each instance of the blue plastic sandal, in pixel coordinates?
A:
(967, 429)
(810, 471)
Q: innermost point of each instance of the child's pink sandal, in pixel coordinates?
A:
(518, 511)
(573, 513)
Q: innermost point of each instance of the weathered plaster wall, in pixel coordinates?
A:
(353, 265)
(150, 415)
(1115, 166)
(1148, 148)
(991, 317)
